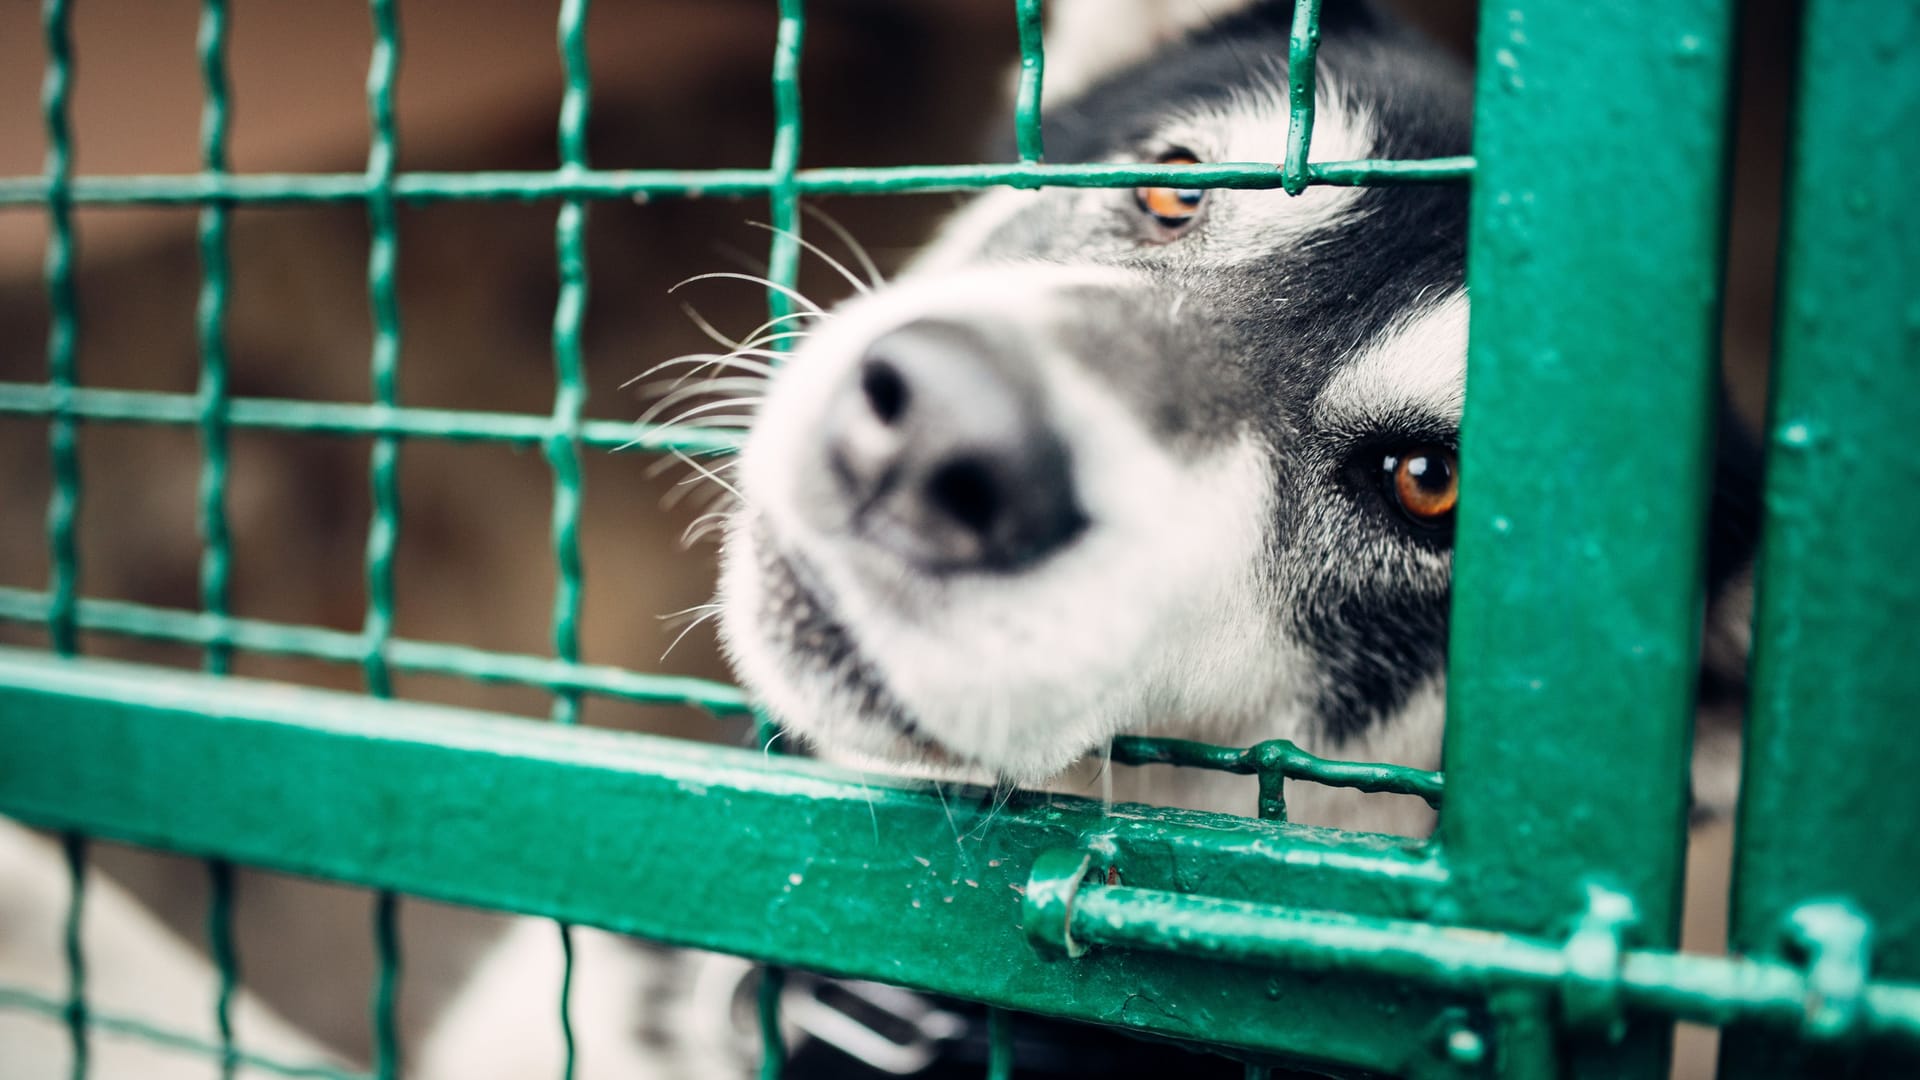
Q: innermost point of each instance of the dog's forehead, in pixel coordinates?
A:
(1298, 287)
(1411, 377)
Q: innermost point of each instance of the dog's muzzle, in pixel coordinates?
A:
(939, 443)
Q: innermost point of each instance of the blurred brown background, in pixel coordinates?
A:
(677, 83)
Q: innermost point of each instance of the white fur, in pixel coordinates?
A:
(1243, 226)
(1090, 39)
(1418, 366)
(966, 232)
(1156, 612)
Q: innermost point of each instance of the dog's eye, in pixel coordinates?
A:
(1173, 208)
(1424, 481)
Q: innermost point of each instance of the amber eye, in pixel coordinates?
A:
(1172, 207)
(1424, 481)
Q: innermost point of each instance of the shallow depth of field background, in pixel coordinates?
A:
(677, 83)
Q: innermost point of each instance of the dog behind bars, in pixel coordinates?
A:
(1158, 461)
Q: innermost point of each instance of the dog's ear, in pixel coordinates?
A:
(1090, 39)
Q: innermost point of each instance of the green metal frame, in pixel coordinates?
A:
(1532, 937)
(1834, 694)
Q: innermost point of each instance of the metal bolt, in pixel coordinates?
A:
(1465, 1046)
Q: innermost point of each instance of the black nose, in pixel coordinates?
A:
(939, 440)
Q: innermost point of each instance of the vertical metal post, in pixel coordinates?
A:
(783, 260)
(216, 555)
(1594, 272)
(1303, 49)
(225, 960)
(63, 330)
(569, 401)
(383, 531)
(210, 319)
(63, 508)
(1027, 131)
(1831, 743)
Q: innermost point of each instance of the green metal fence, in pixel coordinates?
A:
(1532, 936)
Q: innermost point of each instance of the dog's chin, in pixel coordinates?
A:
(799, 647)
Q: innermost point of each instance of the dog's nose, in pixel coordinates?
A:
(940, 441)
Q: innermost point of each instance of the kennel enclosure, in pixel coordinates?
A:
(1534, 935)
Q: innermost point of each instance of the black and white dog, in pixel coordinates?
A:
(1155, 461)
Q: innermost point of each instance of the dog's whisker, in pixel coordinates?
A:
(787, 291)
(815, 249)
(704, 360)
(724, 421)
(760, 361)
(784, 335)
(688, 629)
(711, 475)
(663, 464)
(697, 410)
(700, 322)
(671, 394)
(703, 526)
(693, 483)
(708, 606)
(730, 422)
(676, 390)
(951, 824)
(708, 420)
(854, 246)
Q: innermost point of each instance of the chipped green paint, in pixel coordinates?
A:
(1033, 68)
(1579, 544)
(1517, 944)
(1592, 977)
(290, 189)
(776, 858)
(1832, 748)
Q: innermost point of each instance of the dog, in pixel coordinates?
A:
(1157, 461)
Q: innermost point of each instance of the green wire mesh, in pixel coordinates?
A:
(562, 436)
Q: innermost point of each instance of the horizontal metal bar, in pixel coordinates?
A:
(339, 418)
(25, 1000)
(283, 639)
(785, 860)
(1707, 989)
(643, 184)
(1281, 758)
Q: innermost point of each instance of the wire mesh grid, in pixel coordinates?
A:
(562, 436)
(1673, 984)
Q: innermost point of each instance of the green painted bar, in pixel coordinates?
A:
(562, 447)
(1595, 245)
(782, 859)
(1303, 48)
(338, 418)
(210, 318)
(63, 332)
(1028, 133)
(383, 361)
(1829, 797)
(274, 188)
(783, 188)
(287, 639)
(216, 557)
(383, 527)
(1279, 759)
(1708, 989)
